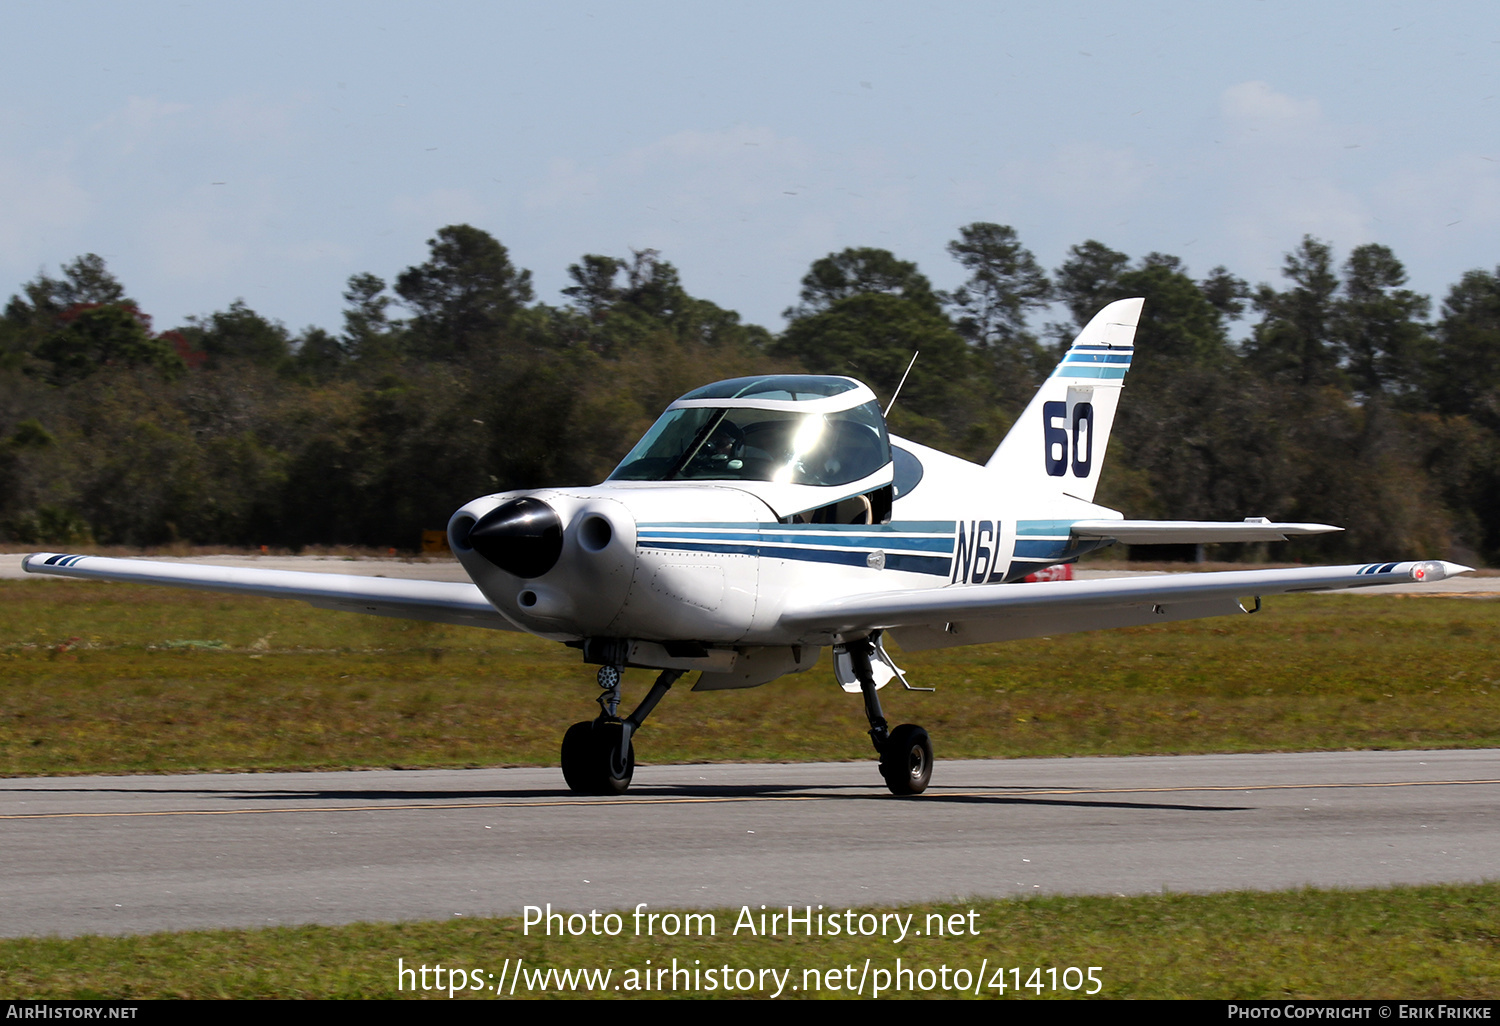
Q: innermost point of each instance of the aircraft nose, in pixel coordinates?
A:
(523, 537)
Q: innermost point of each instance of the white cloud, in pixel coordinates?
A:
(1459, 190)
(1442, 219)
(1268, 222)
(244, 119)
(1284, 170)
(1254, 112)
(143, 121)
(565, 186)
(1085, 174)
(39, 203)
(207, 234)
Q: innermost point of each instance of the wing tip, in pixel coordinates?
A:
(1428, 571)
(37, 562)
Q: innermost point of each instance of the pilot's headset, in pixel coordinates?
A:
(726, 443)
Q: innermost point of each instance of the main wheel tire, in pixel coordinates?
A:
(906, 760)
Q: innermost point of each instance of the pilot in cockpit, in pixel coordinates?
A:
(724, 449)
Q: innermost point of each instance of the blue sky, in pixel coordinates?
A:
(269, 151)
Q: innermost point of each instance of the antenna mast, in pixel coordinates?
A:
(909, 366)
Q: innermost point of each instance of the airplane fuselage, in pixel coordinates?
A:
(714, 563)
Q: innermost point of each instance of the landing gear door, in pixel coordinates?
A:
(843, 669)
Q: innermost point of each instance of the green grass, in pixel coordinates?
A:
(1419, 942)
(110, 678)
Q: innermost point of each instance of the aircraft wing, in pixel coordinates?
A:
(439, 601)
(977, 614)
(1194, 532)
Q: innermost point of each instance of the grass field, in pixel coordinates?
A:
(111, 678)
(1417, 942)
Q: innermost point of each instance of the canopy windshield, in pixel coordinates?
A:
(745, 444)
(785, 387)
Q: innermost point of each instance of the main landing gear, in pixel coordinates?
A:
(906, 752)
(597, 755)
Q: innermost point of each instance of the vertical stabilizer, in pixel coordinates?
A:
(1057, 446)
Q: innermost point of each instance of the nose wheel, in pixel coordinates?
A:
(592, 761)
(598, 756)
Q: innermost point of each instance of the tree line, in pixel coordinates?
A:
(1348, 401)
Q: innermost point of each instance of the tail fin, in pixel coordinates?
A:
(1057, 447)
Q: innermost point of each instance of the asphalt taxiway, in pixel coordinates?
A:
(136, 854)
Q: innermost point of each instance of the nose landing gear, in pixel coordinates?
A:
(598, 756)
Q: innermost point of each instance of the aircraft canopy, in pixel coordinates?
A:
(785, 387)
(788, 429)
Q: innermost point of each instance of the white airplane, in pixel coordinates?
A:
(765, 518)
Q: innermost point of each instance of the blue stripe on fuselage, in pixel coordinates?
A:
(844, 544)
(799, 538)
(894, 527)
(938, 565)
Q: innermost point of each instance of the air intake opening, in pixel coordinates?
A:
(458, 533)
(595, 533)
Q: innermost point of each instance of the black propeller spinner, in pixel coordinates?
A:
(522, 537)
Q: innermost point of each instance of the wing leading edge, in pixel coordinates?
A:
(978, 614)
(438, 601)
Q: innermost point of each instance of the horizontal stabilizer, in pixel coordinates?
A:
(438, 601)
(1194, 532)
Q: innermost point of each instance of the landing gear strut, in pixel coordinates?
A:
(597, 755)
(906, 752)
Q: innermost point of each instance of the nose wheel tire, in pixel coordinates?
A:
(591, 758)
(906, 760)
